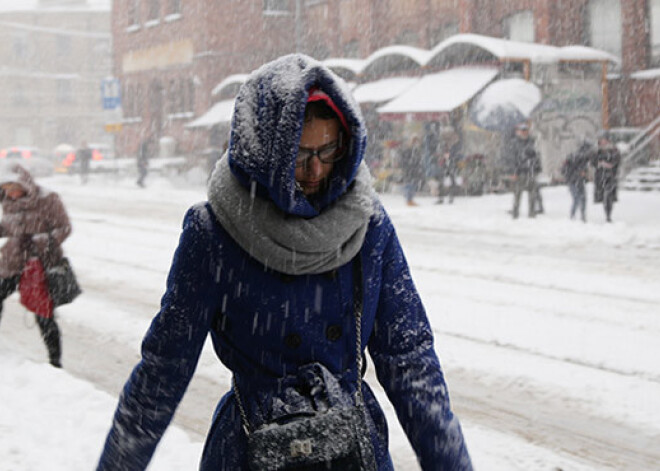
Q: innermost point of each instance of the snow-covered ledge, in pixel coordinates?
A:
(649, 74)
(172, 17)
(133, 28)
(151, 23)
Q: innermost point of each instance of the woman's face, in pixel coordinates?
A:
(13, 191)
(317, 135)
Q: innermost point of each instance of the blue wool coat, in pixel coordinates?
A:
(271, 329)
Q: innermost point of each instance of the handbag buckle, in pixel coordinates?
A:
(300, 448)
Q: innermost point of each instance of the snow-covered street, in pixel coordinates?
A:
(547, 329)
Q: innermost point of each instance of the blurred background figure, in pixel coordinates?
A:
(145, 153)
(84, 156)
(523, 164)
(575, 171)
(412, 169)
(606, 162)
(35, 224)
(448, 164)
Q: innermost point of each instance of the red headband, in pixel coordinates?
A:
(315, 94)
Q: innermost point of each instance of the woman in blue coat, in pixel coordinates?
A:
(267, 265)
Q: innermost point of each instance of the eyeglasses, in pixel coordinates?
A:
(327, 154)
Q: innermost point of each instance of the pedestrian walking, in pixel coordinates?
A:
(84, 157)
(523, 165)
(606, 161)
(34, 224)
(575, 171)
(294, 268)
(412, 167)
(145, 153)
(449, 169)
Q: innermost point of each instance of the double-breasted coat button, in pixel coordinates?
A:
(292, 340)
(333, 332)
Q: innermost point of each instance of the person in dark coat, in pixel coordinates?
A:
(35, 224)
(270, 266)
(145, 153)
(84, 157)
(412, 166)
(606, 162)
(448, 168)
(575, 171)
(523, 165)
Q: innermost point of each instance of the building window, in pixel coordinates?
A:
(407, 37)
(154, 10)
(173, 106)
(352, 49)
(604, 25)
(654, 14)
(520, 27)
(443, 32)
(133, 12)
(20, 46)
(189, 106)
(276, 6)
(138, 101)
(19, 97)
(64, 91)
(174, 7)
(63, 45)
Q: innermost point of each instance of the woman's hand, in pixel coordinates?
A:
(41, 243)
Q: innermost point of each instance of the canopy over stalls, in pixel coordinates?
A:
(221, 112)
(229, 86)
(393, 59)
(436, 94)
(504, 104)
(383, 90)
(463, 49)
(348, 69)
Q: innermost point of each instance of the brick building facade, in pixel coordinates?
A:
(169, 54)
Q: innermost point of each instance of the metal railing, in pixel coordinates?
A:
(637, 153)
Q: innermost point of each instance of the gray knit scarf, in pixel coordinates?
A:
(291, 244)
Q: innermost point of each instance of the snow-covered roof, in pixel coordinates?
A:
(230, 80)
(32, 5)
(354, 65)
(507, 49)
(584, 53)
(408, 57)
(649, 74)
(441, 92)
(513, 93)
(221, 112)
(382, 90)
(418, 55)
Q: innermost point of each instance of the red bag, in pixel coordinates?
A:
(33, 289)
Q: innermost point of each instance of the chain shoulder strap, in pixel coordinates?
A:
(357, 304)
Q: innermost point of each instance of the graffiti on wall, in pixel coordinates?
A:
(570, 113)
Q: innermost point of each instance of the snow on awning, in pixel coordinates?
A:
(354, 65)
(221, 112)
(438, 93)
(231, 80)
(507, 50)
(384, 90)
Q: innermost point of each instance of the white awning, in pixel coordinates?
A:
(383, 90)
(441, 92)
(221, 112)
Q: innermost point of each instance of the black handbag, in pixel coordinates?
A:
(336, 439)
(63, 286)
